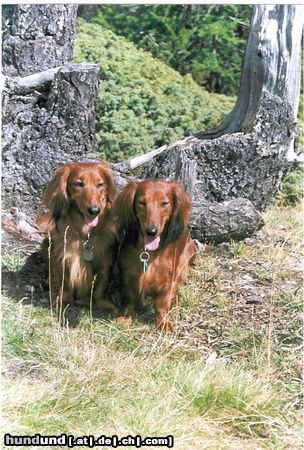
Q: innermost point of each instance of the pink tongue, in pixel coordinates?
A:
(151, 243)
(92, 222)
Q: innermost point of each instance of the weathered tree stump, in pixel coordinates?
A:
(43, 128)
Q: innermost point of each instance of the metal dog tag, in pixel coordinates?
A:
(87, 252)
(144, 259)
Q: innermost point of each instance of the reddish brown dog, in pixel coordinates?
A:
(82, 235)
(157, 247)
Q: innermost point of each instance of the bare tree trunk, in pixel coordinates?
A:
(271, 64)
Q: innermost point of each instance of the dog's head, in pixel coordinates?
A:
(158, 210)
(87, 187)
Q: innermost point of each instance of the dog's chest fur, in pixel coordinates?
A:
(81, 272)
(153, 282)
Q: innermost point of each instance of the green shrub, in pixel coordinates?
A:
(142, 103)
(291, 190)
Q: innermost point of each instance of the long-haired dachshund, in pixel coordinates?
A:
(157, 247)
(82, 243)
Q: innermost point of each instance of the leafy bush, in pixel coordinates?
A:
(206, 41)
(142, 103)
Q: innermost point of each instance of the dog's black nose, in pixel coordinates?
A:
(151, 231)
(93, 210)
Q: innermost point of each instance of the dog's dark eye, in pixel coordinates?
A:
(78, 183)
(142, 203)
(100, 185)
(164, 203)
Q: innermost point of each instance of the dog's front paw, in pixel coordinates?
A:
(105, 305)
(165, 326)
(124, 319)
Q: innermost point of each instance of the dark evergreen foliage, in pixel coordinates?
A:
(206, 41)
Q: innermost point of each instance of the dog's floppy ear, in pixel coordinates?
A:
(56, 193)
(110, 183)
(181, 211)
(124, 209)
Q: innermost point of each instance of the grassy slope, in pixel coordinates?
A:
(227, 378)
(142, 103)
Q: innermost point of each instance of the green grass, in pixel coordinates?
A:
(90, 380)
(238, 248)
(13, 262)
(227, 378)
